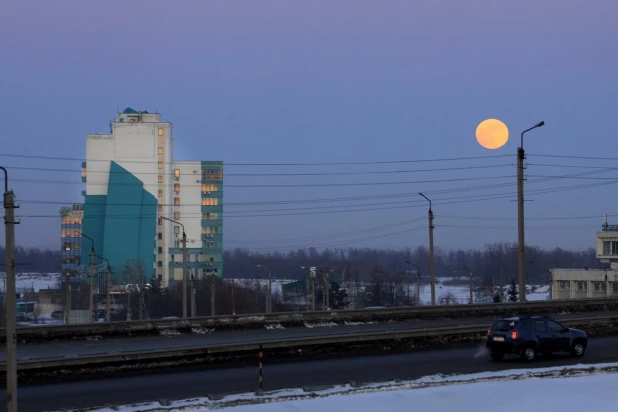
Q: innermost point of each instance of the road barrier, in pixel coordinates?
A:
(299, 319)
(335, 345)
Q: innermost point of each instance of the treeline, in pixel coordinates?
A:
(33, 260)
(360, 263)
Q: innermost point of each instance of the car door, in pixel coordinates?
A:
(542, 335)
(561, 339)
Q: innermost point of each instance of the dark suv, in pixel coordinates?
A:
(529, 335)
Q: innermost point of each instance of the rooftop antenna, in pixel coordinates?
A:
(605, 224)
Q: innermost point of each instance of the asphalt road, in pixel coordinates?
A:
(187, 384)
(48, 350)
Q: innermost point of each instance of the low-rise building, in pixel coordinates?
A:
(583, 283)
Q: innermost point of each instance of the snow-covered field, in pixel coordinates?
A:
(570, 388)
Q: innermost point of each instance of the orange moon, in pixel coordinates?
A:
(492, 134)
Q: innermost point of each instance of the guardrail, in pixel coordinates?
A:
(222, 322)
(236, 351)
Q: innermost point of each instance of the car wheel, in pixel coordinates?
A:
(529, 353)
(578, 349)
(497, 356)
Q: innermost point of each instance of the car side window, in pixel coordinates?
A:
(527, 326)
(554, 326)
(539, 326)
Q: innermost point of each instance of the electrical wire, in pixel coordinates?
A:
(263, 164)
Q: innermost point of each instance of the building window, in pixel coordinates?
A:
(160, 236)
(176, 187)
(160, 165)
(160, 264)
(212, 174)
(160, 208)
(209, 187)
(160, 250)
(160, 179)
(600, 286)
(610, 248)
(210, 230)
(210, 201)
(582, 286)
(564, 285)
(177, 230)
(160, 150)
(210, 216)
(84, 172)
(160, 131)
(160, 221)
(176, 215)
(177, 201)
(176, 172)
(160, 193)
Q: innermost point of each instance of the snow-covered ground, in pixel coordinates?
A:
(570, 388)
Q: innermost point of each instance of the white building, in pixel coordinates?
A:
(133, 183)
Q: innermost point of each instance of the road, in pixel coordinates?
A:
(186, 384)
(79, 348)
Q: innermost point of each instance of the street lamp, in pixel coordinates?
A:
(109, 289)
(520, 214)
(269, 298)
(418, 282)
(431, 259)
(91, 274)
(184, 266)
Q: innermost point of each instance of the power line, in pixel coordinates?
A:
(262, 164)
(575, 157)
(141, 184)
(515, 227)
(527, 218)
(89, 172)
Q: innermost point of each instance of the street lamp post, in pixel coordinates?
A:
(108, 293)
(431, 257)
(418, 282)
(184, 266)
(11, 331)
(520, 214)
(269, 298)
(91, 305)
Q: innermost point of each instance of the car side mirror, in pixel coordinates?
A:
(565, 329)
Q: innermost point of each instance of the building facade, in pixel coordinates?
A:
(70, 233)
(135, 189)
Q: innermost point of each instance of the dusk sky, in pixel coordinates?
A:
(328, 82)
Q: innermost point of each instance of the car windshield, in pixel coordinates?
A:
(503, 325)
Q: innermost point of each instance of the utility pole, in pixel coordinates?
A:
(269, 296)
(326, 291)
(501, 285)
(141, 292)
(213, 293)
(470, 275)
(418, 290)
(108, 298)
(233, 296)
(67, 310)
(521, 156)
(91, 293)
(431, 256)
(184, 266)
(192, 295)
(11, 332)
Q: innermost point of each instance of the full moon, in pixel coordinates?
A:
(492, 134)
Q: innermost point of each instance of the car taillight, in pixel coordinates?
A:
(488, 331)
(514, 335)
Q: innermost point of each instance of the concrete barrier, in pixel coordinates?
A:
(298, 319)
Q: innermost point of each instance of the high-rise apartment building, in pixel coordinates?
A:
(70, 233)
(134, 188)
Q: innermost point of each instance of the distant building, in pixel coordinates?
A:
(132, 183)
(71, 241)
(590, 283)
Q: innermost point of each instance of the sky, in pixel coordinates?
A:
(328, 82)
